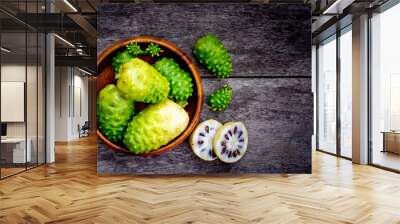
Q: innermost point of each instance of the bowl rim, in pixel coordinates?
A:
(195, 74)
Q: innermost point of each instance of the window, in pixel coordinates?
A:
(346, 92)
(333, 137)
(327, 95)
(22, 78)
(385, 89)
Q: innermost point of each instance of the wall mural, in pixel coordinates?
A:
(204, 88)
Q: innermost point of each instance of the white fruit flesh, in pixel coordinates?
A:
(201, 139)
(230, 142)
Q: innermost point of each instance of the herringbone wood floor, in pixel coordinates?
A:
(69, 191)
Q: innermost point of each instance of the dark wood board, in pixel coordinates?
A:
(278, 114)
(271, 52)
(263, 39)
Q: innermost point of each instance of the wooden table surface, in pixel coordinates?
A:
(270, 47)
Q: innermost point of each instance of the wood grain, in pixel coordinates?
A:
(70, 191)
(278, 114)
(264, 39)
(271, 53)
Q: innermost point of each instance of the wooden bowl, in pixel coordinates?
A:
(195, 102)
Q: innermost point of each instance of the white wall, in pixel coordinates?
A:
(62, 81)
(12, 73)
(33, 127)
(71, 102)
(80, 110)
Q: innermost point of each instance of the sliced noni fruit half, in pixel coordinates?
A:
(201, 139)
(230, 142)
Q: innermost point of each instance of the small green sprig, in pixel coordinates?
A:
(153, 50)
(134, 49)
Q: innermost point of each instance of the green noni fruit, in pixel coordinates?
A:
(113, 113)
(141, 82)
(155, 126)
(220, 99)
(180, 81)
(120, 58)
(211, 53)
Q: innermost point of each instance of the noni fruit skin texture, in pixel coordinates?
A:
(220, 99)
(180, 81)
(141, 82)
(113, 113)
(211, 53)
(120, 58)
(155, 126)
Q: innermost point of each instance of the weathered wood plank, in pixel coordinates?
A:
(278, 113)
(263, 39)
